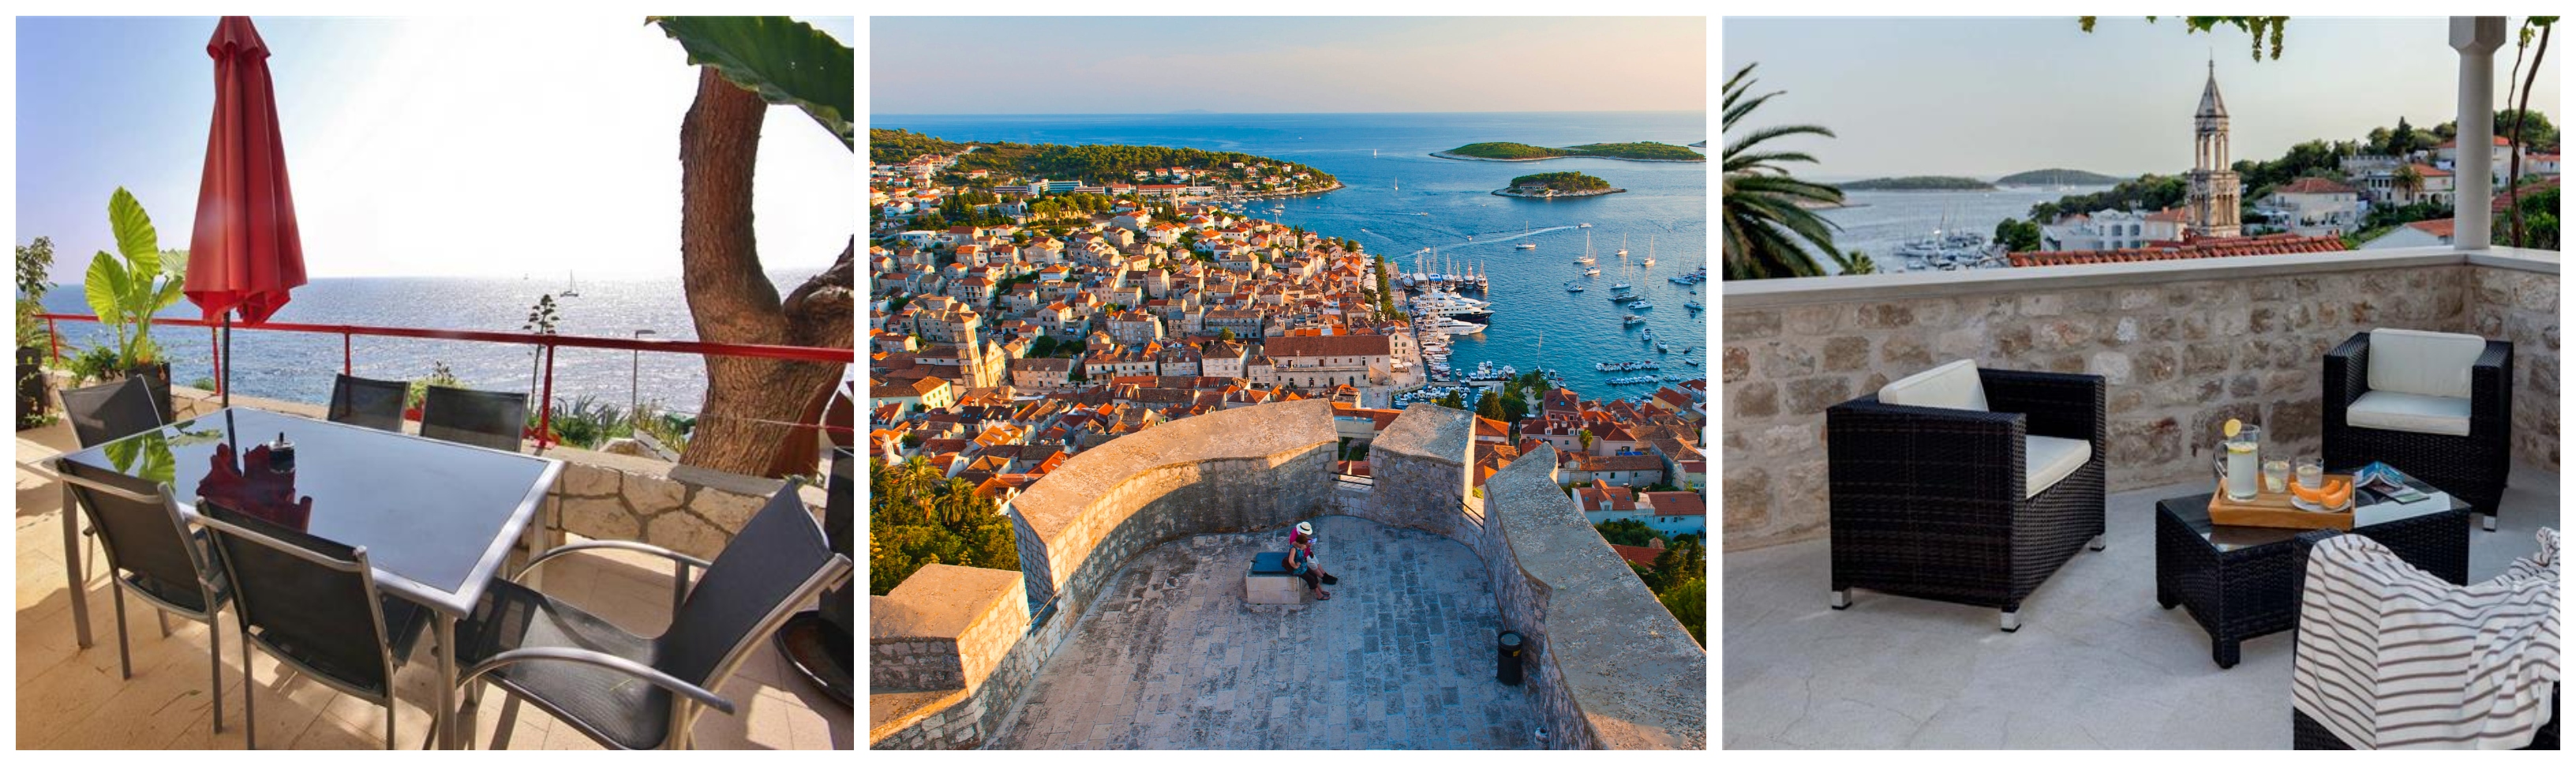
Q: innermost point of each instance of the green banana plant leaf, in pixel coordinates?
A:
(105, 287)
(146, 456)
(134, 234)
(171, 292)
(175, 264)
(784, 60)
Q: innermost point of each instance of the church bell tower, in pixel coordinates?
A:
(2215, 191)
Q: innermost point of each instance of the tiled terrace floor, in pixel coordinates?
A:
(74, 699)
(1169, 656)
(2096, 663)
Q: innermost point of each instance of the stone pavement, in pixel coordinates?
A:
(1169, 656)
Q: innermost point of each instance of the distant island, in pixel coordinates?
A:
(1103, 169)
(1504, 151)
(2057, 176)
(1918, 183)
(1553, 185)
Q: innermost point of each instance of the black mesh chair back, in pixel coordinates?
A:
(489, 419)
(310, 601)
(142, 536)
(778, 560)
(840, 603)
(376, 404)
(110, 411)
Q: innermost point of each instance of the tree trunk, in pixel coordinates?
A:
(2513, 185)
(750, 402)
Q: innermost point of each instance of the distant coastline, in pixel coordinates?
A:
(1917, 183)
(1634, 151)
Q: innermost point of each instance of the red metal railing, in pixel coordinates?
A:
(549, 342)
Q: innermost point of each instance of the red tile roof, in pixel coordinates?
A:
(2314, 185)
(2454, 143)
(1636, 554)
(2429, 171)
(2439, 227)
(2169, 215)
(1677, 503)
(2529, 189)
(2269, 244)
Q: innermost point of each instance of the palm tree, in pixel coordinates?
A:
(1764, 223)
(1856, 263)
(2408, 181)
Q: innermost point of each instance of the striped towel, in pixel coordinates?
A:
(2392, 657)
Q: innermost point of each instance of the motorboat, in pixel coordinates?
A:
(1633, 320)
(1592, 271)
(1642, 305)
(1573, 287)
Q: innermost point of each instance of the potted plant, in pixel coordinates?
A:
(439, 375)
(126, 288)
(35, 260)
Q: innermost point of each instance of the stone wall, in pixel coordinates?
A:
(2521, 305)
(1418, 468)
(2183, 345)
(1232, 471)
(945, 629)
(1611, 666)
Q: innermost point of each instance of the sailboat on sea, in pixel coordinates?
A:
(1525, 243)
(1650, 252)
(1623, 245)
(572, 287)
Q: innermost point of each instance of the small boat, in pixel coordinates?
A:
(1525, 245)
(1592, 271)
(1573, 288)
(1583, 226)
(1663, 349)
(572, 287)
(1650, 252)
(1642, 305)
(1619, 286)
(1623, 245)
(1633, 320)
(1692, 305)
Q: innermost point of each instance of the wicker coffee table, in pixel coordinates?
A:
(2243, 582)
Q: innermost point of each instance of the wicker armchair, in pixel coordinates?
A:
(2468, 457)
(1939, 502)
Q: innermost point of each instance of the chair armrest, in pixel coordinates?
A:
(2347, 377)
(683, 559)
(680, 563)
(600, 659)
(2063, 405)
(1870, 447)
(2491, 393)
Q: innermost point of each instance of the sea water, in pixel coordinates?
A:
(1391, 182)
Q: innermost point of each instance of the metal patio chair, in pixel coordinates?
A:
(313, 605)
(110, 411)
(376, 404)
(151, 556)
(633, 692)
(488, 419)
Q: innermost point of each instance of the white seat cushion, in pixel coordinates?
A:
(1952, 386)
(2414, 413)
(2048, 459)
(2427, 363)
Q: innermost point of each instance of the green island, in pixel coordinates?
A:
(1646, 151)
(1918, 183)
(1549, 185)
(2057, 176)
(1100, 163)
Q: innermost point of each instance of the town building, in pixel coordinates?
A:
(2312, 207)
(2215, 189)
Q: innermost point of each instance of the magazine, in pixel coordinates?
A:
(2387, 482)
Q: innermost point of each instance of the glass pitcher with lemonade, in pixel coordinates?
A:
(2240, 460)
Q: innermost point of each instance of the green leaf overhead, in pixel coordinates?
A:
(134, 235)
(784, 60)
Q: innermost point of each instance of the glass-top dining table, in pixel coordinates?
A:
(438, 519)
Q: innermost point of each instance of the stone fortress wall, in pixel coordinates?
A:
(2183, 345)
(1641, 683)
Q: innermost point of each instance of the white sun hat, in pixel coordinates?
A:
(1304, 528)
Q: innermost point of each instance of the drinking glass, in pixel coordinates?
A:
(2276, 476)
(2311, 472)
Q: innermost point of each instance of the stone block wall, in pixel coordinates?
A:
(1232, 471)
(1611, 667)
(1419, 468)
(945, 628)
(2183, 347)
(2522, 306)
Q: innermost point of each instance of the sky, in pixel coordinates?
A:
(1987, 97)
(1237, 65)
(439, 147)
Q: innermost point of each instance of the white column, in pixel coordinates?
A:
(2476, 38)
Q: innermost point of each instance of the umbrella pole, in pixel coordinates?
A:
(226, 387)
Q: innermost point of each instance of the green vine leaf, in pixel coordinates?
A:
(784, 60)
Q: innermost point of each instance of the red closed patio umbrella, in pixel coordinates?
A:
(244, 256)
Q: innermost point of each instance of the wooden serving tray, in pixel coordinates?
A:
(2271, 509)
